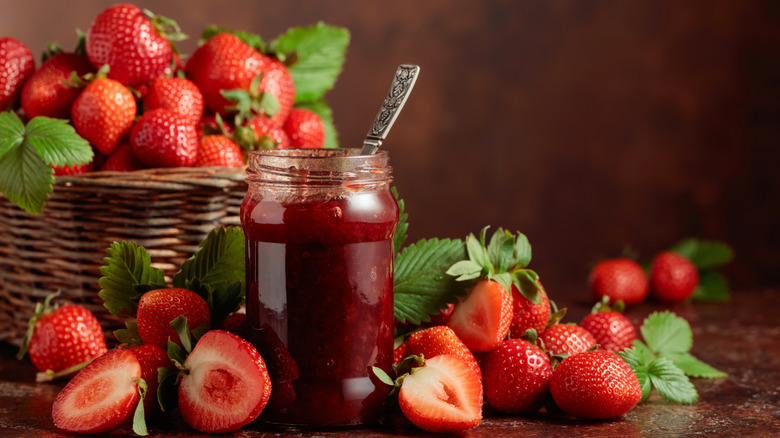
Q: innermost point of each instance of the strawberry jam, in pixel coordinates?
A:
(319, 228)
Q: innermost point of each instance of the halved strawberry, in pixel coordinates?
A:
(439, 340)
(101, 397)
(482, 320)
(443, 395)
(225, 384)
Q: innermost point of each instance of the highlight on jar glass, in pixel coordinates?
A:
(319, 226)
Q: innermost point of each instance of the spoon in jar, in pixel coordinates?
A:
(400, 88)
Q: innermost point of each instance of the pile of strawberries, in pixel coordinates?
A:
(140, 106)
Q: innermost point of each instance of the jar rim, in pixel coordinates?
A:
(309, 165)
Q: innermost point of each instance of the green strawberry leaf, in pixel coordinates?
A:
(670, 382)
(505, 280)
(176, 354)
(126, 267)
(323, 110)
(465, 270)
(421, 284)
(219, 259)
(693, 367)
(705, 254)
(139, 419)
(26, 153)
(522, 250)
(167, 391)
(403, 222)
(478, 253)
(321, 50)
(713, 287)
(129, 336)
(664, 332)
(525, 282)
(638, 362)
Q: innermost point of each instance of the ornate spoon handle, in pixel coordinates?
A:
(400, 88)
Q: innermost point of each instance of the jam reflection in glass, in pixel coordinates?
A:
(319, 231)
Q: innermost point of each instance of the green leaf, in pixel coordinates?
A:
(693, 367)
(403, 222)
(126, 267)
(321, 51)
(139, 419)
(465, 270)
(57, 142)
(167, 391)
(670, 382)
(664, 332)
(525, 282)
(225, 299)
(182, 329)
(11, 132)
(505, 280)
(25, 179)
(326, 114)
(713, 287)
(219, 259)
(705, 254)
(522, 250)
(176, 354)
(421, 284)
(638, 362)
(382, 376)
(477, 252)
(129, 335)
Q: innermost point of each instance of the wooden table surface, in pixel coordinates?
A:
(741, 337)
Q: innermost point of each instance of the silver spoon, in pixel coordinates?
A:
(400, 88)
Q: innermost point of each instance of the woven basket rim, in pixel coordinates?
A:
(175, 178)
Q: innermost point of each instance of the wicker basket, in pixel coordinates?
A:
(167, 211)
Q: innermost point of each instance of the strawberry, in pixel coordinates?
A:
(179, 95)
(234, 323)
(527, 315)
(609, 327)
(225, 62)
(157, 308)
(210, 124)
(305, 129)
(163, 138)
(123, 159)
(219, 150)
(516, 376)
(225, 384)
(151, 357)
(60, 339)
(438, 340)
(619, 279)
(442, 395)
(595, 385)
(47, 92)
(673, 278)
(265, 134)
(566, 339)
(76, 169)
(482, 320)
(103, 113)
(123, 37)
(101, 397)
(399, 353)
(16, 66)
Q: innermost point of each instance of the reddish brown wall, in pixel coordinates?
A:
(588, 125)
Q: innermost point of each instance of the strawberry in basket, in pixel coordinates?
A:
(62, 341)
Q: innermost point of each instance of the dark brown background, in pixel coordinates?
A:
(587, 125)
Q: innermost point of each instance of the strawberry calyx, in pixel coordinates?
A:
(166, 28)
(247, 104)
(603, 306)
(139, 416)
(556, 315)
(40, 310)
(503, 259)
(253, 40)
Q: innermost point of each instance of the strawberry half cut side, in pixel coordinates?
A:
(101, 397)
(444, 395)
(482, 320)
(225, 385)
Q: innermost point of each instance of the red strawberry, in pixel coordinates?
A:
(123, 159)
(595, 385)
(673, 278)
(123, 37)
(225, 62)
(610, 328)
(16, 65)
(267, 134)
(305, 129)
(234, 323)
(63, 338)
(482, 320)
(209, 125)
(46, 93)
(399, 353)
(163, 138)
(76, 169)
(438, 340)
(103, 113)
(151, 358)
(218, 150)
(225, 385)
(516, 376)
(527, 315)
(179, 95)
(567, 339)
(101, 397)
(157, 308)
(619, 279)
(444, 395)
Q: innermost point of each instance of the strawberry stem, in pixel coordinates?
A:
(49, 375)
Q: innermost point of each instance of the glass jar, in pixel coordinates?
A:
(319, 226)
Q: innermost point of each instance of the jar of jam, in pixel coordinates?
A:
(319, 226)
